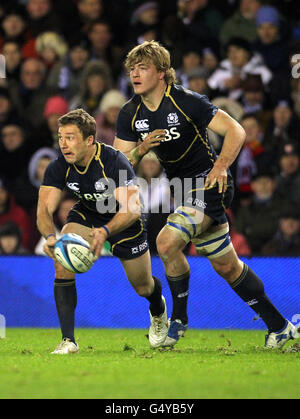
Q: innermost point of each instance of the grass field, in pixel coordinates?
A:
(119, 364)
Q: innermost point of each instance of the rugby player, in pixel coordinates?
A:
(91, 171)
(172, 121)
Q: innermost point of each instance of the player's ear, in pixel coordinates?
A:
(91, 140)
(162, 75)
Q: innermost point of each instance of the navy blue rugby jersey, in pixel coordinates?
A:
(94, 184)
(185, 115)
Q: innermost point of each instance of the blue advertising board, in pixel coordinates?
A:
(106, 299)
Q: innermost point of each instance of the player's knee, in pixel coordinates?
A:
(226, 270)
(165, 248)
(61, 272)
(143, 290)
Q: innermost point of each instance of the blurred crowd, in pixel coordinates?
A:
(242, 54)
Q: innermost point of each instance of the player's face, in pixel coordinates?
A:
(145, 77)
(73, 147)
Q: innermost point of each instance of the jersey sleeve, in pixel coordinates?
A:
(124, 129)
(201, 109)
(123, 173)
(55, 174)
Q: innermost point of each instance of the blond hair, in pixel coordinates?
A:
(152, 51)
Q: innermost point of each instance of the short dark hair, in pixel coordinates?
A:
(83, 120)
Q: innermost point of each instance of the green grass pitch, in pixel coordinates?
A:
(118, 364)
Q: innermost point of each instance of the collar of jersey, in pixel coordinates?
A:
(95, 156)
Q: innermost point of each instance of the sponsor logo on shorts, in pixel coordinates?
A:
(137, 249)
(142, 124)
(197, 202)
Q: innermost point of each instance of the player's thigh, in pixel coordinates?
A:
(182, 226)
(138, 271)
(220, 251)
(79, 229)
(83, 231)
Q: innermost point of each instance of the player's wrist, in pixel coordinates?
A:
(50, 235)
(136, 154)
(105, 229)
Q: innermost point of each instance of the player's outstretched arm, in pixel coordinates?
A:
(129, 213)
(234, 137)
(49, 198)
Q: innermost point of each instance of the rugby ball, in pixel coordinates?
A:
(73, 253)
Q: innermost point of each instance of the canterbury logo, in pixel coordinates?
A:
(142, 124)
(73, 186)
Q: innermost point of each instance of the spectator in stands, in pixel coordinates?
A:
(51, 48)
(13, 57)
(269, 43)
(191, 59)
(210, 60)
(240, 62)
(42, 17)
(286, 241)
(31, 94)
(283, 129)
(106, 120)
(239, 241)
(102, 47)
(258, 220)
(242, 23)
(282, 83)
(10, 211)
(15, 150)
(11, 240)
(144, 21)
(15, 29)
(96, 81)
(295, 95)
(55, 107)
(7, 112)
(65, 76)
(203, 23)
(252, 158)
(155, 196)
(26, 188)
(288, 180)
(197, 81)
(173, 37)
(90, 10)
(253, 99)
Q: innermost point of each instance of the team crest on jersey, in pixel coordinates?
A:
(100, 186)
(173, 119)
(142, 124)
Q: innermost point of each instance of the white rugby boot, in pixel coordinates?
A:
(66, 347)
(159, 326)
(279, 339)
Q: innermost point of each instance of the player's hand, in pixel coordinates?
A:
(153, 139)
(99, 236)
(49, 247)
(217, 177)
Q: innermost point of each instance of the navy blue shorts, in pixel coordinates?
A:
(210, 202)
(129, 244)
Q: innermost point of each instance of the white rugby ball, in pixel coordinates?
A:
(73, 253)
